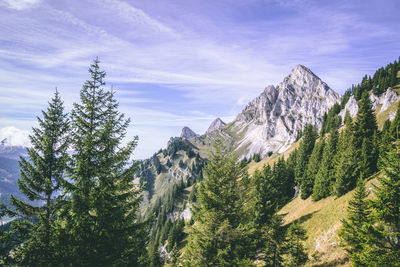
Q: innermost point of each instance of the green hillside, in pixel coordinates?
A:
(321, 220)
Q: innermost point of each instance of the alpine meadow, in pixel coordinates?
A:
(137, 133)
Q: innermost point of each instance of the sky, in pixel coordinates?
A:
(176, 63)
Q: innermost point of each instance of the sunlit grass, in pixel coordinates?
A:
(322, 221)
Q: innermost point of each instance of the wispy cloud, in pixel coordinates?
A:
(170, 61)
(135, 16)
(21, 4)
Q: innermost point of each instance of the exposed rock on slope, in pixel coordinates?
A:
(179, 162)
(384, 101)
(215, 125)
(351, 107)
(188, 133)
(271, 121)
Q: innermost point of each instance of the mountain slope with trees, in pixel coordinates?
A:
(195, 203)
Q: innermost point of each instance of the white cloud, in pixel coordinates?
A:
(21, 4)
(15, 136)
(135, 15)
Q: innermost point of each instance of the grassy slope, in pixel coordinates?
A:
(383, 116)
(322, 221)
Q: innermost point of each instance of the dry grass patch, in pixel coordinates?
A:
(381, 117)
(322, 221)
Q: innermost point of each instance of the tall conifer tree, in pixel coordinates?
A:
(394, 130)
(355, 230)
(304, 152)
(387, 207)
(41, 178)
(364, 130)
(264, 196)
(346, 169)
(296, 253)
(274, 236)
(105, 201)
(325, 177)
(283, 182)
(385, 138)
(217, 237)
(313, 167)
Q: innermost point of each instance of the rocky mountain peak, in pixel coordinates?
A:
(304, 81)
(271, 120)
(302, 71)
(188, 133)
(215, 125)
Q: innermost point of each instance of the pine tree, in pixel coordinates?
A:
(365, 125)
(385, 140)
(304, 153)
(154, 256)
(217, 237)
(41, 178)
(369, 155)
(103, 219)
(324, 179)
(174, 257)
(274, 235)
(373, 239)
(176, 234)
(394, 130)
(346, 169)
(313, 166)
(295, 251)
(283, 181)
(262, 202)
(264, 196)
(364, 130)
(348, 121)
(354, 232)
(387, 207)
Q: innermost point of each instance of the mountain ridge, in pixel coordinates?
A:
(188, 133)
(271, 121)
(215, 125)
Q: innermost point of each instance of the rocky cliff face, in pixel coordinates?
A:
(215, 125)
(379, 103)
(271, 121)
(188, 133)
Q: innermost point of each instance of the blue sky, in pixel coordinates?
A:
(181, 63)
